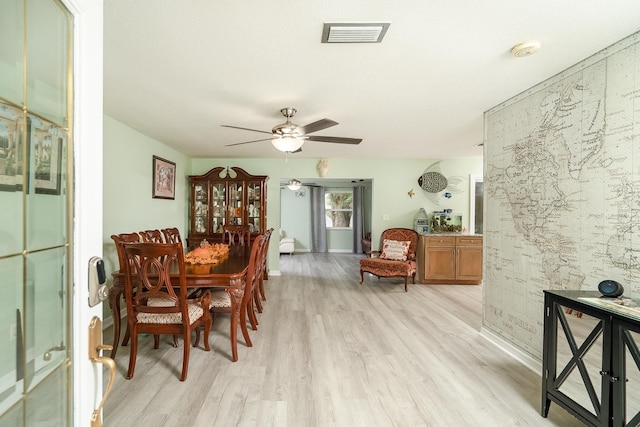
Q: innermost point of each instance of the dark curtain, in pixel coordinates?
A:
(357, 220)
(318, 220)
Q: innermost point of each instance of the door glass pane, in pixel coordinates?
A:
(219, 207)
(11, 309)
(11, 168)
(235, 203)
(580, 327)
(46, 312)
(42, 410)
(11, 48)
(632, 373)
(46, 201)
(13, 417)
(47, 54)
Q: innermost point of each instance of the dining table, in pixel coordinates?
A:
(227, 274)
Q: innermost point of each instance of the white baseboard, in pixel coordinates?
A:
(275, 273)
(525, 358)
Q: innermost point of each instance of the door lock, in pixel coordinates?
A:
(98, 290)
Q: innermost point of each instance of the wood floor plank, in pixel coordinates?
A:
(332, 352)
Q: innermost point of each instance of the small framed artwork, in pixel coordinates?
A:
(48, 145)
(164, 179)
(12, 139)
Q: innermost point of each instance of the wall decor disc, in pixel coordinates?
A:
(432, 182)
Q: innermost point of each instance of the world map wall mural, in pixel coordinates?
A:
(562, 182)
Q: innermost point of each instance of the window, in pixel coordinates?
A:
(338, 206)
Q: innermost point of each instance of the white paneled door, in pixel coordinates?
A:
(51, 216)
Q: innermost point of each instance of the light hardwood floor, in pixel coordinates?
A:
(331, 352)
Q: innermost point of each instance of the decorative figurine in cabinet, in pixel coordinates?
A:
(226, 196)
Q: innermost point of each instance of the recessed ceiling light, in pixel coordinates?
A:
(525, 49)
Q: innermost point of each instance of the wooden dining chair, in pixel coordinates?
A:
(221, 301)
(258, 293)
(171, 235)
(152, 236)
(154, 307)
(114, 300)
(237, 235)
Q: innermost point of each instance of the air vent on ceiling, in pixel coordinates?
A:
(354, 32)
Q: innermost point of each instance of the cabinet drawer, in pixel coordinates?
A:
(441, 241)
(469, 241)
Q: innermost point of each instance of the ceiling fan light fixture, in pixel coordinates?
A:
(294, 184)
(287, 144)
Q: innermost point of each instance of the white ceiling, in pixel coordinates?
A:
(176, 70)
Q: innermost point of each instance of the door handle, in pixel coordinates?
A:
(95, 347)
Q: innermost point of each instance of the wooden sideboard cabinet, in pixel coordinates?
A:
(223, 197)
(450, 259)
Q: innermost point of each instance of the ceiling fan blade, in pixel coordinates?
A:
(334, 139)
(316, 126)
(299, 150)
(252, 130)
(248, 142)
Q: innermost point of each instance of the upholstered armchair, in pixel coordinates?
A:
(287, 244)
(396, 257)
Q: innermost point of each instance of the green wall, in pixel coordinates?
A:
(128, 205)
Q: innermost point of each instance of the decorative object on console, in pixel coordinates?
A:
(446, 222)
(610, 288)
(421, 221)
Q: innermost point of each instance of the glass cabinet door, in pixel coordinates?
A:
(219, 207)
(201, 209)
(236, 205)
(254, 206)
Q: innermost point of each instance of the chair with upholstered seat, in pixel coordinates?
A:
(259, 294)
(120, 240)
(152, 236)
(237, 235)
(171, 235)
(396, 257)
(154, 307)
(221, 301)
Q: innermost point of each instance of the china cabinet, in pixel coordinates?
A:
(226, 196)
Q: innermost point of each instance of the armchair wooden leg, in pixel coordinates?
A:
(406, 281)
(361, 276)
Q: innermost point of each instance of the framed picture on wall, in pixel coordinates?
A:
(164, 179)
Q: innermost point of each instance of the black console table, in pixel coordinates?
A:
(605, 354)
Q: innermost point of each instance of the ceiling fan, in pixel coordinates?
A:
(289, 137)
